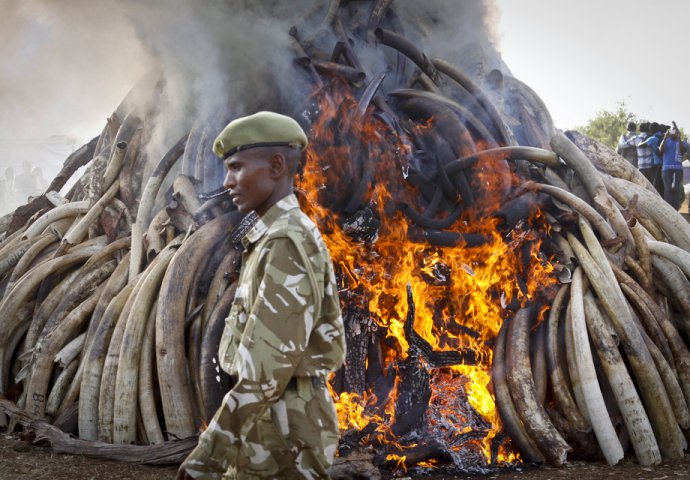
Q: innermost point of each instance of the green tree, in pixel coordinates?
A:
(608, 126)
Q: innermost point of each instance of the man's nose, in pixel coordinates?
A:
(229, 181)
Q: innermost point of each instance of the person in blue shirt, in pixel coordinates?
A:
(672, 149)
(653, 173)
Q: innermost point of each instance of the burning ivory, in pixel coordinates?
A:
(511, 293)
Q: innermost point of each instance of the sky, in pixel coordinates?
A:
(580, 56)
(584, 56)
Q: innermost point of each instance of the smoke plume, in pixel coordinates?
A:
(68, 65)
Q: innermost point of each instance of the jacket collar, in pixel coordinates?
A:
(285, 204)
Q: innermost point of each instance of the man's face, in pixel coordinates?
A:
(249, 180)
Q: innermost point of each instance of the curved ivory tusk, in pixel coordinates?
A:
(671, 222)
(59, 390)
(673, 253)
(559, 386)
(9, 320)
(45, 351)
(127, 377)
(148, 198)
(584, 363)
(147, 401)
(71, 209)
(593, 182)
(652, 389)
(636, 421)
(93, 360)
(170, 338)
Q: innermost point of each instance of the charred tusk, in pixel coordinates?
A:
(453, 72)
(531, 154)
(506, 408)
(522, 390)
(561, 391)
(404, 46)
(582, 207)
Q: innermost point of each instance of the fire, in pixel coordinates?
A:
(461, 293)
(351, 410)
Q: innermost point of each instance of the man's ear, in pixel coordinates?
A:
(277, 165)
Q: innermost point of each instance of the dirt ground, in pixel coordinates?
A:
(20, 460)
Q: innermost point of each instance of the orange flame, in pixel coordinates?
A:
(460, 292)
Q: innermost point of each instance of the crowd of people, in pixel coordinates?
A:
(16, 189)
(658, 151)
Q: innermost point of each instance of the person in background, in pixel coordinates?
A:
(284, 334)
(653, 141)
(627, 149)
(40, 182)
(7, 193)
(25, 183)
(672, 150)
(645, 156)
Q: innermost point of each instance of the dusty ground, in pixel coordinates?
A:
(22, 461)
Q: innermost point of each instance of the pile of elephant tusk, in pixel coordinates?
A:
(613, 351)
(113, 296)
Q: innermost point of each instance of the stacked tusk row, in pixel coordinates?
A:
(113, 297)
(614, 341)
(94, 340)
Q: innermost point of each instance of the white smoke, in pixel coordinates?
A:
(69, 64)
(461, 32)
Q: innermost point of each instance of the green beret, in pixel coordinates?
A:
(262, 129)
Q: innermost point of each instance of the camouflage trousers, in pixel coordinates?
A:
(295, 439)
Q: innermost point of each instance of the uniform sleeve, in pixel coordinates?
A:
(274, 340)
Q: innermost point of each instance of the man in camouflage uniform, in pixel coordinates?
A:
(284, 334)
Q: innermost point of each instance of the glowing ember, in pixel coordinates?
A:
(461, 293)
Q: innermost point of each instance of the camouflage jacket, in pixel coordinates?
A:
(285, 322)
